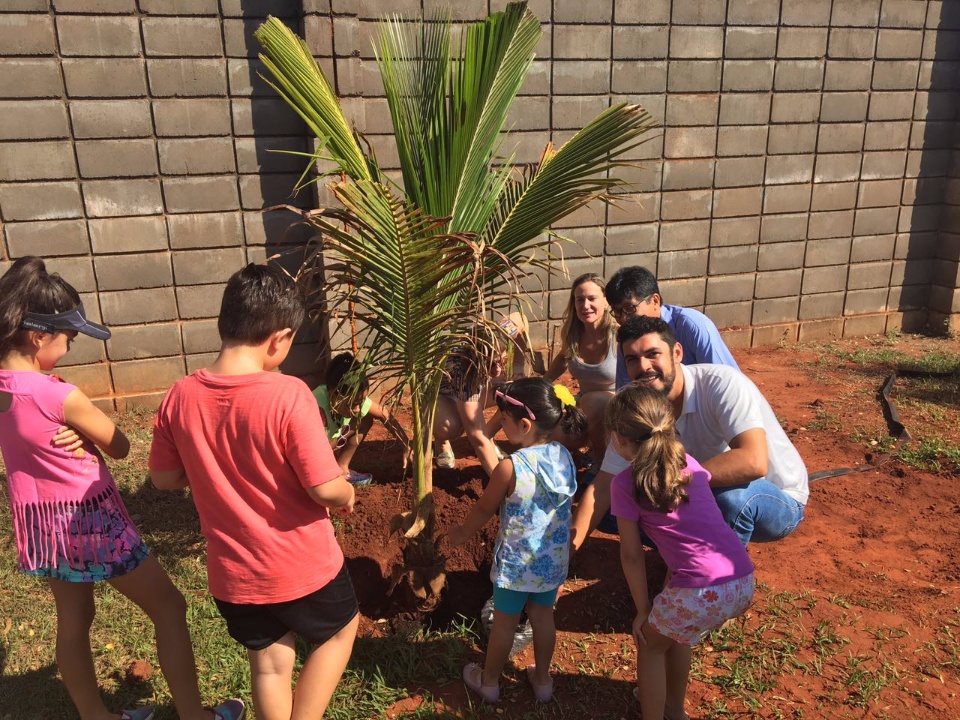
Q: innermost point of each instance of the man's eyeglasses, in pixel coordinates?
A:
(626, 310)
(500, 395)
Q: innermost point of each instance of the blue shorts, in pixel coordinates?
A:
(512, 602)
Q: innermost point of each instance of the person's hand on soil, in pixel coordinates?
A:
(347, 508)
(68, 440)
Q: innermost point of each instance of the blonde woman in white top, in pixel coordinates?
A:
(589, 354)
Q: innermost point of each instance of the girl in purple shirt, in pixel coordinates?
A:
(710, 580)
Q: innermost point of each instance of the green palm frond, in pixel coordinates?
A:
(301, 82)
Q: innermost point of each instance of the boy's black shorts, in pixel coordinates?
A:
(316, 617)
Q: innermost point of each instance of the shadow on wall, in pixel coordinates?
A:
(930, 258)
(276, 132)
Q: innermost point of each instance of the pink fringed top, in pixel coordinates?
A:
(48, 487)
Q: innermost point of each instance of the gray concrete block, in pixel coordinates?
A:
(179, 7)
(778, 283)
(37, 161)
(201, 336)
(744, 108)
(144, 341)
(792, 139)
(199, 301)
(799, 75)
(841, 137)
(876, 221)
(200, 194)
(288, 8)
(730, 289)
(685, 110)
(685, 205)
(747, 75)
(753, 12)
(811, 13)
(112, 198)
(732, 260)
(686, 292)
(734, 231)
(92, 78)
(795, 107)
(631, 12)
(737, 202)
(271, 155)
(899, 44)
(264, 117)
(639, 77)
(692, 12)
(781, 256)
(855, 13)
(684, 235)
(111, 118)
(274, 228)
(886, 164)
(895, 75)
(93, 380)
(266, 190)
(739, 172)
(844, 107)
(247, 77)
(860, 302)
(786, 199)
(182, 37)
(891, 106)
(192, 118)
(868, 248)
(823, 305)
(903, 14)
(837, 167)
(33, 120)
(104, 7)
(207, 156)
(138, 376)
(632, 239)
(681, 264)
(852, 43)
(786, 169)
(577, 41)
(318, 34)
(116, 158)
(184, 77)
(131, 307)
(932, 135)
(132, 272)
(693, 76)
(26, 35)
(98, 35)
(802, 42)
(202, 267)
(30, 78)
(775, 310)
(689, 142)
(581, 77)
(80, 272)
(750, 42)
(26, 5)
(783, 228)
(824, 225)
(570, 112)
(205, 230)
(40, 201)
(128, 234)
(834, 196)
(825, 279)
(697, 43)
(847, 75)
(632, 42)
(574, 11)
(741, 141)
(686, 174)
(879, 193)
(59, 237)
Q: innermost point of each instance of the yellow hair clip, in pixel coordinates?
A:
(564, 395)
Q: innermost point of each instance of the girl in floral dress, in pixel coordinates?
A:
(666, 493)
(533, 489)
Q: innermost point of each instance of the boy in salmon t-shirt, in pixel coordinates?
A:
(252, 448)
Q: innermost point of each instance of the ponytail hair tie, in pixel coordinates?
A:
(564, 396)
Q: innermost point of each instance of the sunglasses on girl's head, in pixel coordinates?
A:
(500, 395)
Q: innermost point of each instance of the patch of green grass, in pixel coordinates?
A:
(930, 454)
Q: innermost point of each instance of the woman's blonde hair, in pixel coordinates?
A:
(643, 416)
(572, 329)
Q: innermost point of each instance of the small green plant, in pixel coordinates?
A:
(931, 454)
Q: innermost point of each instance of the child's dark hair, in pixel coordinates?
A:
(28, 287)
(345, 376)
(540, 397)
(643, 416)
(257, 302)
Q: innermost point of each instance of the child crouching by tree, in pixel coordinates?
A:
(533, 488)
(667, 494)
(348, 414)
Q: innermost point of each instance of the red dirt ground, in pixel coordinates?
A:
(857, 613)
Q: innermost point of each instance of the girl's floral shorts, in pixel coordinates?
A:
(687, 615)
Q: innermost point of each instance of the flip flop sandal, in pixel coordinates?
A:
(473, 679)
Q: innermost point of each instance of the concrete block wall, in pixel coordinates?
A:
(805, 183)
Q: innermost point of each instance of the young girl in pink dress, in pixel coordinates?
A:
(69, 521)
(710, 580)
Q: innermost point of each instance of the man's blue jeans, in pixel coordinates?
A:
(759, 511)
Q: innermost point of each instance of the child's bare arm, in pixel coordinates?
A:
(501, 484)
(169, 479)
(92, 423)
(338, 494)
